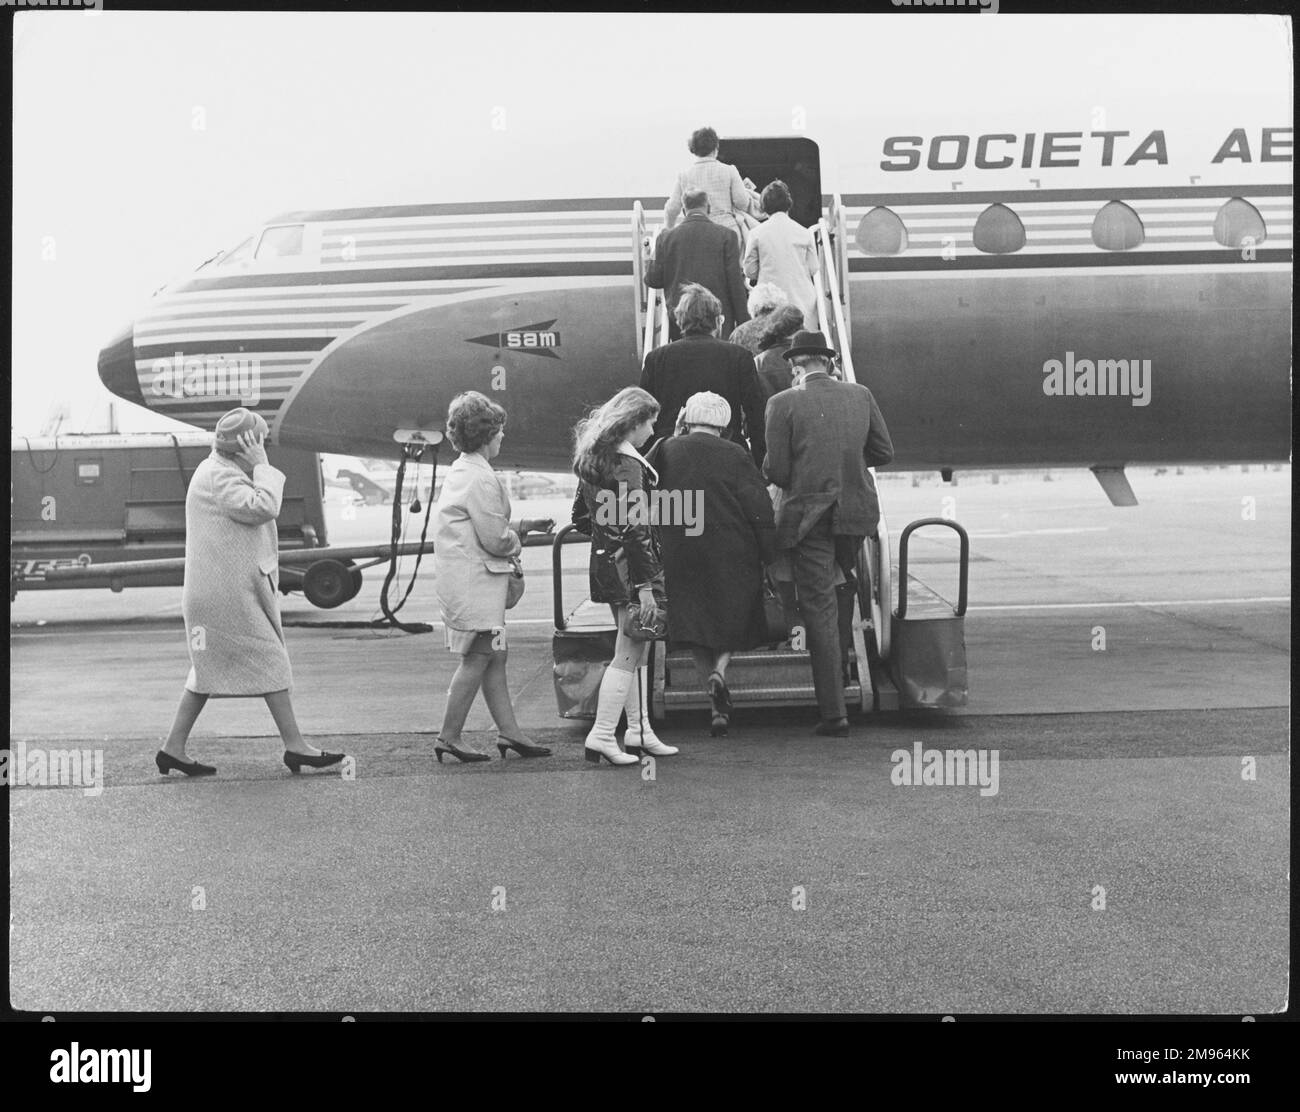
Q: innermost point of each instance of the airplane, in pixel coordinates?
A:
(1021, 281)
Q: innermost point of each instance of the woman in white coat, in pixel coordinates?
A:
(232, 612)
(473, 558)
(782, 252)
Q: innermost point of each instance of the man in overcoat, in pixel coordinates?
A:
(822, 436)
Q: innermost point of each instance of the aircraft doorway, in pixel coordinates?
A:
(794, 160)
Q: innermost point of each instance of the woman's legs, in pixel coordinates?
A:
(496, 693)
(186, 714)
(464, 686)
(614, 687)
(280, 705)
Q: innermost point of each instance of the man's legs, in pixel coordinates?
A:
(814, 575)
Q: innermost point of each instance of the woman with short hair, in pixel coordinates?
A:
(230, 601)
(612, 507)
(782, 252)
(474, 552)
(764, 300)
(731, 202)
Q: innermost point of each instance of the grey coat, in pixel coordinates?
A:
(822, 435)
(232, 571)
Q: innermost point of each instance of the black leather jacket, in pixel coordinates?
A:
(624, 546)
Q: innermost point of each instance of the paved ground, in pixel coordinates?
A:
(1120, 768)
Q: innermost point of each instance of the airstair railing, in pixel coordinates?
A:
(831, 305)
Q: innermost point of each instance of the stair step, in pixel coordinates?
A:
(789, 694)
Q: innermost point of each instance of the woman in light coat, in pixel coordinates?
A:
(473, 559)
(232, 613)
(732, 204)
(782, 252)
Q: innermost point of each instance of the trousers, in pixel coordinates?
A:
(814, 559)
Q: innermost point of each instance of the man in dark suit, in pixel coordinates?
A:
(698, 250)
(698, 362)
(822, 435)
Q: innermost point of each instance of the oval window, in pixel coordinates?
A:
(1237, 222)
(1117, 228)
(881, 232)
(998, 231)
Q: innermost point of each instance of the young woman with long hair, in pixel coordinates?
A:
(612, 506)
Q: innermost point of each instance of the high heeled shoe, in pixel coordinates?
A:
(295, 761)
(166, 762)
(523, 748)
(719, 696)
(469, 756)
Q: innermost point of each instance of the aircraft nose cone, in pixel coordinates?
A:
(117, 367)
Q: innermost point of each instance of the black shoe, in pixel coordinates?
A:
(718, 727)
(719, 696)
(166, 762)
(523, 748)
(833, 727)
(469, 756)
(295, 761)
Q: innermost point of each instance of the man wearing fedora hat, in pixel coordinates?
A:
(822, 436)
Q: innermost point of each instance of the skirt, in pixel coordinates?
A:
(467, 641)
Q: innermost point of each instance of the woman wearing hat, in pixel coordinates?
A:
(713, 563)
(232, 614)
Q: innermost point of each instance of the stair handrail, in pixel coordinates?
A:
(647, 338)
(881, 567)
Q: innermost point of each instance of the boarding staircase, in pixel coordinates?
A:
(782, 676)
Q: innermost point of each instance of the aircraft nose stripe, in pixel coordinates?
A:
(117, 367)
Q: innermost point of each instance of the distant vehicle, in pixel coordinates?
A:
(109, 511)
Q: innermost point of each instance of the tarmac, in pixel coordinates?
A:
(1130, 669)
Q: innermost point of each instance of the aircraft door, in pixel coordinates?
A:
(793, 159)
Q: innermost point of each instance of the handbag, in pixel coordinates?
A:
(515, 584)
(657, 630)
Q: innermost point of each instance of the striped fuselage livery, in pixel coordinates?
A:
(344, 326)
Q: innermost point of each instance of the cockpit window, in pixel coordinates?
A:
(279, 242)
(238, 254)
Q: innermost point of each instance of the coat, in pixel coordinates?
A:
(700, 362)
(781, 251)
(232, 572)
(700, 251)
(472, 545)
(821, 437)
(624, 542)
(714, 578)
(774, 371)
(726, 189)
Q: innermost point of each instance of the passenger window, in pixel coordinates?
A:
(280, 242)
(881, 232)
(1238, 221)
(240, 254)
(1117, 228)
(998, 231)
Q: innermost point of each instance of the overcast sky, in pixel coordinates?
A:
(146, 142)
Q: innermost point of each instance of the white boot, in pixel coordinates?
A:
(601, 742)
(640, 737)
